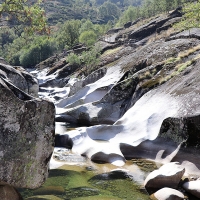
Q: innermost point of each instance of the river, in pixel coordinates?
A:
(74, 177)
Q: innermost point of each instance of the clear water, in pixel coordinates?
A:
(78, 178)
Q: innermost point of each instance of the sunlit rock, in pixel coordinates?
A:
(193, 187)
(169, 175)
(167, 194)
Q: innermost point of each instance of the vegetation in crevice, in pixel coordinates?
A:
(173, 66)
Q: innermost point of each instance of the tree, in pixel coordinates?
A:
(68, 34)
(11, 51)
(109, 11)
(129, 15)
(24, 12)
(90, 59)
(86, 26)
(88, 38)
(7, 35)
(40, 49)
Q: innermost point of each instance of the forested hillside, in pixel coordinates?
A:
(70, 22)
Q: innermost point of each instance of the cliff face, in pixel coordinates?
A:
(143, 101)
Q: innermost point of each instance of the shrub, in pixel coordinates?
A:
(88, 38)
(72, 58)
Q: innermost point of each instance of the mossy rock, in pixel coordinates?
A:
(100, 197)
(118, 184)
(145, 165)
(59, 190)
(81, 192)
(44, 197)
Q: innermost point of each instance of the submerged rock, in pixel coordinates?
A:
(47, 190)
(44, 197)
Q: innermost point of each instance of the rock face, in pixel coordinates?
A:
(169, 175)
(20, 78)
(143, 101)
(106, 99)
(149, 101)
(87, 94)
(27, 132)
(193, 187)
(167, 194)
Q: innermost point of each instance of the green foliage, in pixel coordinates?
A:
(191, 16)
(7, 36)
(129, 15)
(30, 51)
(24, 12)
(68, 34)
(11, 51)
(86, 26)
(39, 50)
(149, 8)
(72, 58)
(88, 38)
(132, 3)
(109, 11)
(90, 59)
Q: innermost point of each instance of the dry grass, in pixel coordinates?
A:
(188, 52)
(171, 60)
(182, 55)
(162, 35)
(179, 68)
(145, 75)
(162, 78)
(111, 51)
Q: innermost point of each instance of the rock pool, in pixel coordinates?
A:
(74, 177)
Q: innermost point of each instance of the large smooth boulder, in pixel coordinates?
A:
(26, 136)
(169, 175)
(193, 187)
(167, 194)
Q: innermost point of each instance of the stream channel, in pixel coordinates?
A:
(74, 177)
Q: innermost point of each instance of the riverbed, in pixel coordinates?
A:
(74, 177)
